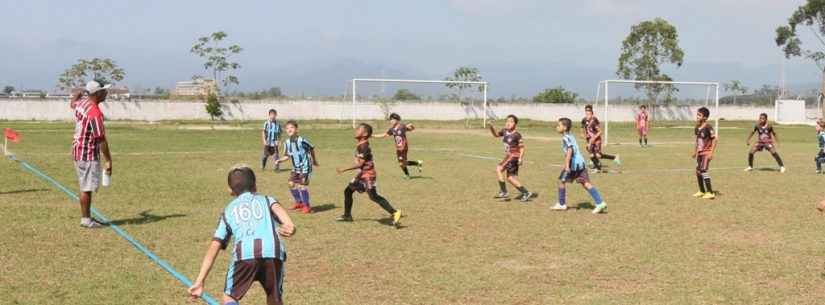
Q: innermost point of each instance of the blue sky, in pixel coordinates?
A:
(315, 47)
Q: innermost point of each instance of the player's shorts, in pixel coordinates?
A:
(270, 150)
(820, 156)
(763, 145)
(299, 178)
(267, 271)
(511, 166)
(643, 131)
(363, 184)
(595, 148)
(402, 155)
(702, 163)
(578, 176)
(88, 175)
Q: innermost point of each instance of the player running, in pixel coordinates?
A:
(705, 147)
(766, 139)
(271, 137)
(820, 136)
(398, 131)
(514, 156)
(364, 181)
(302, 154)
(574, 169)
(256, 223)
(642, 123)
(593, 134)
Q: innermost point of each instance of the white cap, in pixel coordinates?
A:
(94, 86)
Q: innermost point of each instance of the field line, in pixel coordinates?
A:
(140, 247)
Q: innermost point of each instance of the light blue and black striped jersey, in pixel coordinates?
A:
(821, 138)
(568, 141)
(272, 132)
(298, 150)
(249, 222)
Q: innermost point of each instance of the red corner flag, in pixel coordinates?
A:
(11, 135)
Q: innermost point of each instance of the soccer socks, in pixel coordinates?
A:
(503, 186)
(701, 183)
(348, 201)
(296, 195)
(645, 141)
(596, 163)
(522, 189)
(412, 163)
(562, 196)
(706, 178)
(595, 194)
(232, 303)
(263, 161)
(608, 157)
(640, 142)
(381, 201)
(304, 194)
(750, 159)
(405, 170)
(778, 159)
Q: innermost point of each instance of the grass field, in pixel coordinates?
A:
(759, 242)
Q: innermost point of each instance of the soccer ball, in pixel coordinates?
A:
(821, 206)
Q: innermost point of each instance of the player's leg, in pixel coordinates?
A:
(264, 156)
(699, 178)
(303, 192)
(561, 205)
(776, 157)
(594, 157)
(88, 176)
(276, 156)
(819, 159)
(348, 192)
(754, 148)
(296, 194)
(704, 166)
(239, 279)
(511, 170)
(381, 201)
(502, 185)
(271, 277)
(594, 193)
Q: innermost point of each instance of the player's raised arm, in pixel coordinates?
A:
(493, 130)
(410, 127)
(206, 266)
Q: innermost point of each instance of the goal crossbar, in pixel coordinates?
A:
(606, 84)
(355, 82)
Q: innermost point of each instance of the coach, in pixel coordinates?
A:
(89, 142)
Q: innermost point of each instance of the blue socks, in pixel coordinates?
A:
(562, 196)
(231, 303)
(595, 194)
(304, 193)
(296, 194)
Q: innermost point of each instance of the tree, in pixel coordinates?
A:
(213, 106)
(812, 15)
(649, 45)
(736, 88)
(405, 95)
(8, 90)
(556, 95)
(464, 74)
(100, 69)
(217, 57)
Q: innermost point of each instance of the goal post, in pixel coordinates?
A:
(711, 97)
(355, 81)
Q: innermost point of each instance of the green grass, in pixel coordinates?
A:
(760, 242)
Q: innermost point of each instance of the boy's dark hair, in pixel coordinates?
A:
(271, 111)
(588, 107)
(395, 116)
(366, 127)
(292, 122)
(763, 115)
(704, 111)
(512, 116)
(567, 123)
(643, 106)
(241, 179)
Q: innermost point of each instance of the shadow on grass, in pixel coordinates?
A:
(323, 208)
(420, 177)
(587, 205)
(23, 191)
(144, 218)
(767, 169)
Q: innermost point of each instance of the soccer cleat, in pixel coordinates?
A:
(699, 194)
(747, 169)
(406, 177)
(92, 224)
(344, 218)
(600, 208)
(525, 197)
(617, 161)
(559, 207)
(782, 169)
(595, 171)
(819, 171)
(502, 195)
(420, 166)
(396, 219)
(296, 206)
(306, 210)
(709, 195)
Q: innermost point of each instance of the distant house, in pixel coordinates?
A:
(119, 92)
(31, 93)
(197, 87)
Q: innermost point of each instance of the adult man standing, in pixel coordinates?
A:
(89, 142)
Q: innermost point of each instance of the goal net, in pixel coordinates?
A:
(376, 98)
(668, 102)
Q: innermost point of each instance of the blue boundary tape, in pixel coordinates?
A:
(140, 247)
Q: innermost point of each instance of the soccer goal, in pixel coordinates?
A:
(376, 98)
(666, 101)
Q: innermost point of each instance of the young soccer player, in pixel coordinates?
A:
(642, 121)
(765, 140)
(271, 136)
(302, 154)
(256, 223)
(364, 181)
(820, 136)
(398, 131)
(514, 156)
(593, 134)
(705, 147)
(574, 169)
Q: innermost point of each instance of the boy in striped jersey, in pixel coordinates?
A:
(271, 136)
(820, 137)
(302, 153)
(574, 169)
(255, 222)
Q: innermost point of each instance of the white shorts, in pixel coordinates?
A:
(88, 175)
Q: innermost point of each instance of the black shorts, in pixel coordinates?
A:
(270, 150)
(362, 184)
(595, 148)
(702, 163)
(511, 166)
(402, 155)
(299, 178)
(579, 176)
(267, 271)
(760, 146)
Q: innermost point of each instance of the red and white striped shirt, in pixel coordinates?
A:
(88, 131)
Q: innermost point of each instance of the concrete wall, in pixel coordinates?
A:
(157, 110)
